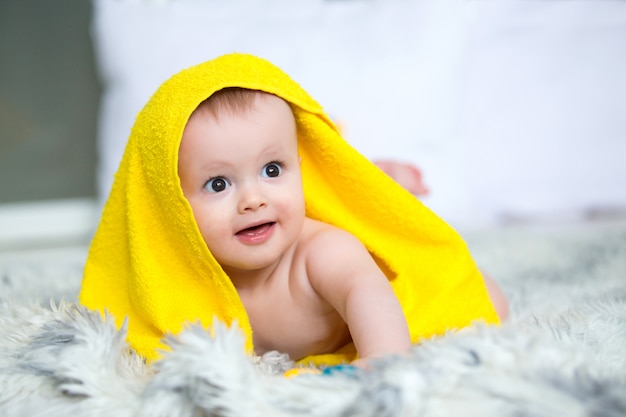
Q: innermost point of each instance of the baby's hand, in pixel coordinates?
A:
(362, 363)
(366, 363)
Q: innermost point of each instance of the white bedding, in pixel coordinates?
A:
(561, 353)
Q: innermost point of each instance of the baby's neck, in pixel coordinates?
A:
(249, 280)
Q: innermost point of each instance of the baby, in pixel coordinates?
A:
(308, 287)
(238, 200)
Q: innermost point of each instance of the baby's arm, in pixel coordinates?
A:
(342, 271)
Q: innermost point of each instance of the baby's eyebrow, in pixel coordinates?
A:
(215, 166)
(275, 150)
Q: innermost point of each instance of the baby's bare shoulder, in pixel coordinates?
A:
(320, 236)
(328, 249)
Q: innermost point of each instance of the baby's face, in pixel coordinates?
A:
(241, 175)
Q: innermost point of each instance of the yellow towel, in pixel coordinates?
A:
(148, 261)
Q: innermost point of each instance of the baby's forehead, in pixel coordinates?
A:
(234, 112)
(233, 101)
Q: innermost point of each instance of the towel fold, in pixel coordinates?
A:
(149, 262)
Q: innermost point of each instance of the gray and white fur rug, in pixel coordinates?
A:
(561, 353)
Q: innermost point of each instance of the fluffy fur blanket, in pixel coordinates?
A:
(562, 353)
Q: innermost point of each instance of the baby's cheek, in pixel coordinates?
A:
(213, 230)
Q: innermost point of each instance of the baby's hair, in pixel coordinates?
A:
(233, 100)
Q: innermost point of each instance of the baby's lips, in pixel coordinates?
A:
(255, 230)
(255, 235)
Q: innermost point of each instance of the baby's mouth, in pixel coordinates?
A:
(256, 230)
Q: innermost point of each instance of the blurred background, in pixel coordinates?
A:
(514, 110)
(49, 94)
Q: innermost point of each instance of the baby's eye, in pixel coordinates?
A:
(271, 170)
(217, 184)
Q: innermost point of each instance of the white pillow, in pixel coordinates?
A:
(510, 108)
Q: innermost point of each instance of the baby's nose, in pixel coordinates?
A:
(252, 199)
